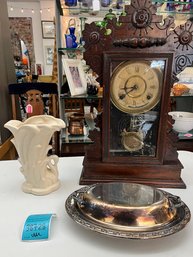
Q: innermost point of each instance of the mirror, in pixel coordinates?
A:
(22, 46)
(21, 59)
(25, 55)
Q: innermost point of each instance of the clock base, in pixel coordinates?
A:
(165, 176)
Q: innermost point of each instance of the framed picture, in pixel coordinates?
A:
(48, 29)
(75, 76)
(49, 53)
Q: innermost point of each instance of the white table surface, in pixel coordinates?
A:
(68, 239)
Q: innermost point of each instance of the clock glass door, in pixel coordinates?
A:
(135, 103)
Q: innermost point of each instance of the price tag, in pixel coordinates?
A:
(29, 108)
(37, 227)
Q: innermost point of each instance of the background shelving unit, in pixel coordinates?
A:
(179, 10)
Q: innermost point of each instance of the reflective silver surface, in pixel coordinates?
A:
(127, 210)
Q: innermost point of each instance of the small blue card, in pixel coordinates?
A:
(37, 227)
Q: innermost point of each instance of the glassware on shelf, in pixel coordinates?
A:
(86, 6)
(110, 15)
(102, 24)
(118, 4)
(82, 26)
(87, 3)
(71, 38)
(71, 2)
(105, 3)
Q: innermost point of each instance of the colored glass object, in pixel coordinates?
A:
(71, 2)
(71, 38)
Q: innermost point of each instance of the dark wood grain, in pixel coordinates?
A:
(140, 33)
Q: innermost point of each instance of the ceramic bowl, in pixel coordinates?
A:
(183, 121)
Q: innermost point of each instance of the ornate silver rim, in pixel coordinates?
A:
(182, 218)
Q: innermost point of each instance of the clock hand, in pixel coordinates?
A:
(131, 89)
(125, 86)
(121, 97)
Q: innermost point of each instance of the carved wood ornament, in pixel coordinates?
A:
(140, 32)
(140, 28)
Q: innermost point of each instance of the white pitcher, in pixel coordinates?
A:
(31, 140)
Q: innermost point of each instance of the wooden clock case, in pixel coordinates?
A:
(140, 33)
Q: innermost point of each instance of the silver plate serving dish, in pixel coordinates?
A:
(127, 210)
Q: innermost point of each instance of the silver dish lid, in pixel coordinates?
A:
(127, 206)
(126, 210)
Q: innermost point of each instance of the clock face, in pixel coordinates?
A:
(135, 87)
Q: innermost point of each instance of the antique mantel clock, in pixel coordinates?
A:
(137, 58)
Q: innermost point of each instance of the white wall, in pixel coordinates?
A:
(50, 16)
(39, 42)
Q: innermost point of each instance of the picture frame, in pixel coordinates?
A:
(75, 76)
(48, 29)
(49, 54)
